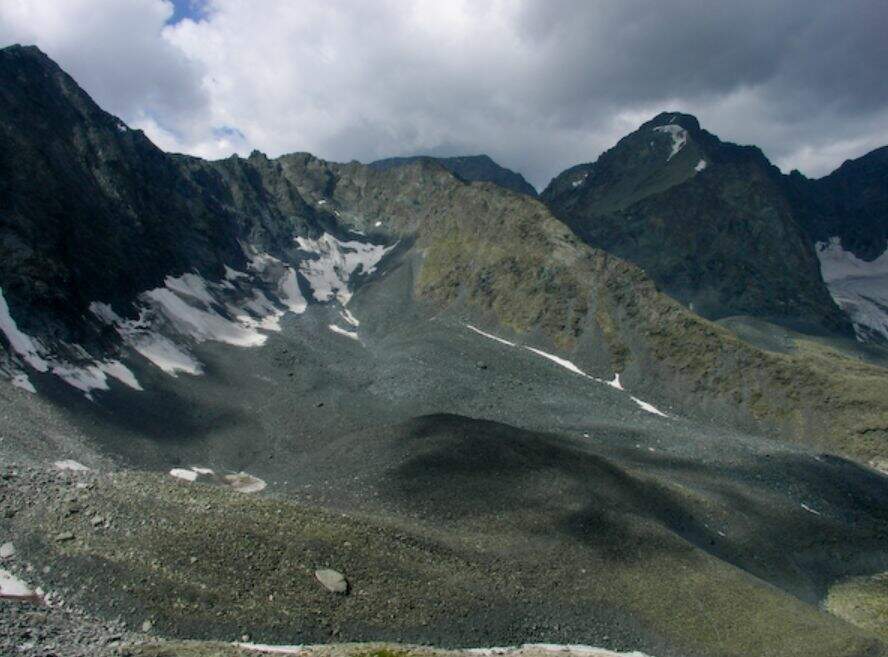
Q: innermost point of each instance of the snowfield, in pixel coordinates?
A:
(859, 287)
(679, 137)
(335, 263)
(240, 310)
(77, 368)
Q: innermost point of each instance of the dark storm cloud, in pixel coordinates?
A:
(538, 85)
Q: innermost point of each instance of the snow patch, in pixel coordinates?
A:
(337, 261)
(650, 408)
(233, 274)
(238, 481)
(679, 137)
(579, 181)
(159, 350)
(342, 331)
(837, 264)
(232, 311)
(86, 375)
(810, 510)
(13, 587)
(166, 354)
(21, 380)
(490, 335)
(202, 324)
(182, 473)
(348, 317)
(566, 364)
(291, 295)
(70, 464)
(263, 647)
(700, 166)
(190, 285)
(28, 348)
(859, 287)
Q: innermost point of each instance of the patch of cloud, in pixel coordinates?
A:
(538, 85)
(116, 51)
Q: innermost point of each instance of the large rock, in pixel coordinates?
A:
(333, 580)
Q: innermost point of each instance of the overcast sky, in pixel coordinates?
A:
(539, 85)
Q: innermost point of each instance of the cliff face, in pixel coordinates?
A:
(90, 209)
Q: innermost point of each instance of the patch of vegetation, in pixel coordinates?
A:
(506, 255)
(862, 601)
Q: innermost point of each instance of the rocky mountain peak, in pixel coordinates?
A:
(708, 220)
(686, 121)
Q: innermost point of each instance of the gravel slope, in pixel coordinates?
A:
(474, 493)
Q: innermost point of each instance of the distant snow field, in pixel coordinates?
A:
(240, 310)
(335, 263)
(859, 287)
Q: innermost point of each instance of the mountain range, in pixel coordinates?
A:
(645, 410)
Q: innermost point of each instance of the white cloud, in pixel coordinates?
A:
(538, 85)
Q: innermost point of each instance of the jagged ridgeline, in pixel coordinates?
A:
(94, 218)
(472, 168)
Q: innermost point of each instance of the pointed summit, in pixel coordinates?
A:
(686, 121)
(709, 221)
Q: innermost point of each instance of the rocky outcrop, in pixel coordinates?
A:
(471, 168)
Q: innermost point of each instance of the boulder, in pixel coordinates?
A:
(333, 580)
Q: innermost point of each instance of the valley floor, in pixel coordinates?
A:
(474, 492)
